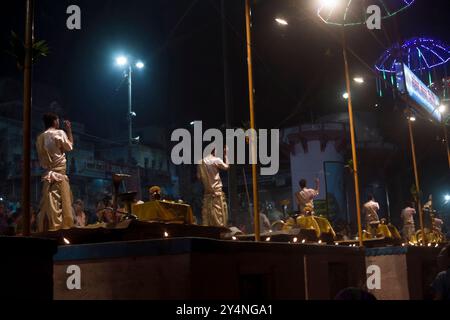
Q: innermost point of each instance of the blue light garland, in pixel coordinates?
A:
(419, 54)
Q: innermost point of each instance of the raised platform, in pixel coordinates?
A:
(406, 272)
(169, 261)
(132, 230)
(207, 269)
(26, 268)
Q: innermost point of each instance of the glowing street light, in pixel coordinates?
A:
(412, 118)
(140, 65)
(329, 3)
(281, 21)
(442, 108)
(122, 61)
(345, 96)
(359, 80)
(447, 198)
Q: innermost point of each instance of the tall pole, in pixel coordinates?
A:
(27, 74)
(130, 116)
(252, 120)
(353, 139)
(416, 175)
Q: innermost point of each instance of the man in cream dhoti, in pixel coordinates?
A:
(56, 202)
(370, 209)
(215, 209)
(407, 217)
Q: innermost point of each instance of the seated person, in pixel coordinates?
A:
(155, 193)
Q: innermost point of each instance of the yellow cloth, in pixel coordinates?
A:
(308, 223)
(394, 232)
(164, 211)
(383, 230)
(325, 226)
(319, 224)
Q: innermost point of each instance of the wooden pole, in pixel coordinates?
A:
(252, 120)
(353, 140)
(416, 175)
(27, 100)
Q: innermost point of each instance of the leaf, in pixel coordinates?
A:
(17, 49)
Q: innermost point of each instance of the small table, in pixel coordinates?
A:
(164, 211)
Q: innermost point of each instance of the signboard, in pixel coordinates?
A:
(424, 101)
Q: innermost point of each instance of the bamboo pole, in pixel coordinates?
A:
(252, 120)
(416, 175)
(27, 100)
(353, 139)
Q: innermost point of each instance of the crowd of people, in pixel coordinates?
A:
(11, 217)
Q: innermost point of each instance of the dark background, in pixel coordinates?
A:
(298, 68)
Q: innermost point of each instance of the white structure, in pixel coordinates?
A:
(311, 147)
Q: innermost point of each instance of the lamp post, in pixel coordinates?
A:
(27, 104)
(353, 139)
(248, 27)
(411, 118)
(124, 62)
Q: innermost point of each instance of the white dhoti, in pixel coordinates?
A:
(215, 210)
(408, 231)
(56, 202)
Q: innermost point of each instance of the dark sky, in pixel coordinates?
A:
(298, 68)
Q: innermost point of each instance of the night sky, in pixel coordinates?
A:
(298, 68)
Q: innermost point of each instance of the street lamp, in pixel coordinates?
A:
(345, 95)
(359, 80)
(123, 61)
(442, 108)
(329, 3)
(140, 65)
(281, 21)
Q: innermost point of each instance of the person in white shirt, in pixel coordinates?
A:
(371, 209)
(215, 209)
(407, 217)
(305, 197)
(56, 202)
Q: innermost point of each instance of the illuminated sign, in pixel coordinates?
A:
(417, 94)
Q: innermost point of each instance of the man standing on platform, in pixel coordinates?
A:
(407, 217)
(305, 197)
(215, 209)
(371, 209)
(56, 202)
